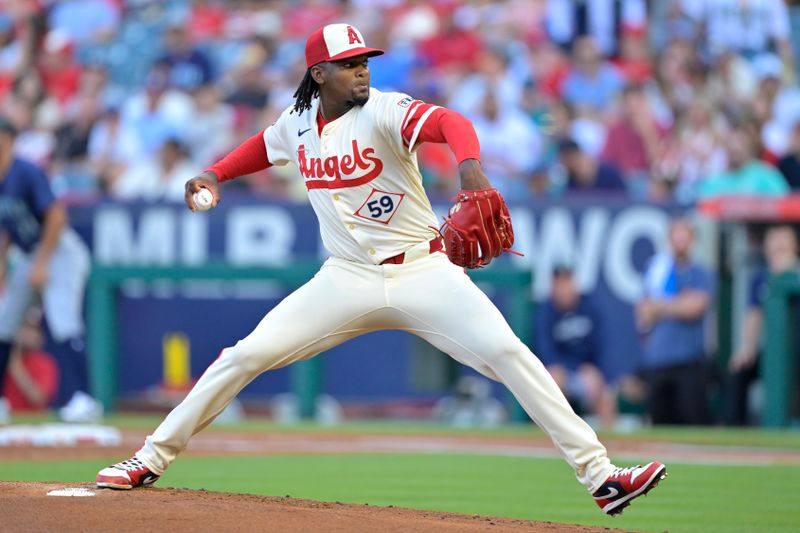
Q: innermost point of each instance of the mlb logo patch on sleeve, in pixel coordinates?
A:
(405, 102)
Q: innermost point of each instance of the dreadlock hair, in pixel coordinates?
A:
(306, 91)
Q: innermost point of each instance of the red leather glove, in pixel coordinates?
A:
(477, 228)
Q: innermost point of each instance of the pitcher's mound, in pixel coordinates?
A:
(82, 507)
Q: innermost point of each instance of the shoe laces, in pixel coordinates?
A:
(130, 464)
(624, 471)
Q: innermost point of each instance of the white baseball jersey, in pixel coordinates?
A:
(361, 174)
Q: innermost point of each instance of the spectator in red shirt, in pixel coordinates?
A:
(32, 378)
(451, 48)
(633, 139)
(206, 20)
(60, 72)
(634, 59)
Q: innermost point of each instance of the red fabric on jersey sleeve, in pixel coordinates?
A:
(248, 157)
(429, 123)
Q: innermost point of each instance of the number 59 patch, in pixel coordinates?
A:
(380, 206)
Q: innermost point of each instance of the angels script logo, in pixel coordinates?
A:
(338, 172)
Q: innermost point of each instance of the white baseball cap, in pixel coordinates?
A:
(334, 42)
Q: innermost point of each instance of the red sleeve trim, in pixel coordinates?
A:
(440, 126)
(247, 158)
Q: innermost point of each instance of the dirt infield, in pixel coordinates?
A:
(27, 507)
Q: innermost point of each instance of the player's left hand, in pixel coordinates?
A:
(38, 275)
(206, 180)
(478, 228)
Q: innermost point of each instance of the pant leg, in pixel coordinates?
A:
(692, 393)
(661, 396)
(737, 388)
(342, 301)
(63, 295)
(17, 298)
(441, 304)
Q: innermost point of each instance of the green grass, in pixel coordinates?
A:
(719, 436)
(694, 498)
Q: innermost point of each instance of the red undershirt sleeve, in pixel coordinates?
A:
(248, 157)
(429, 123)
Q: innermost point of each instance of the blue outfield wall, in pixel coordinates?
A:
(609, 241)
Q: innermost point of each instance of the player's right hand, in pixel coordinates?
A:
(207, 180)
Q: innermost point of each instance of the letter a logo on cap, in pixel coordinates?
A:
(353, 36)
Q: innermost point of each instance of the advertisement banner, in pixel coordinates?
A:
(608, 242)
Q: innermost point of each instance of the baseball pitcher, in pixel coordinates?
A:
(390, 268)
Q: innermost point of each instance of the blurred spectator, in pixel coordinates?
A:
(550, 66)
(789, 164)
(246, 87)
(634, 57)
(206, 20)
(695, 150)
(160, 179)
(585, 173)
(302, 18)
(452, 49)
(86, 20)
(492, 72)
(747, 27)
(71, 172)
(676, 81)
(634, 140)
(677, 295)
(60, 72)
(212, 131)
(780, 253)
(32, 379)
(569, 342)
(417, 21)
(603, 20)
(511, 146)
(18, 42)
(189, 67)
(155, 114)
(592, 82)
(746, 175)
(111, 148)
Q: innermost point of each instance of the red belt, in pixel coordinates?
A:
(435, 245)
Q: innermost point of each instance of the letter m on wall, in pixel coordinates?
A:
(117, 241)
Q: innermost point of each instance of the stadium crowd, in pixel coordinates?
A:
(669, 100)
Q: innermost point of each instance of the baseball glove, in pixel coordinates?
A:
(477, 228)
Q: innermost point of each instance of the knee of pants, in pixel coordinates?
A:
(505, 353)
(243, 358)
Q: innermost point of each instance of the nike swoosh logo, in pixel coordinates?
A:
(301, 132)
(612, 493)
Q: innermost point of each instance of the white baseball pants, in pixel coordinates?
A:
(62, 296)
(431, 298)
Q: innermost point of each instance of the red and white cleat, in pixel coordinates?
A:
(625, 484)
(126, 475)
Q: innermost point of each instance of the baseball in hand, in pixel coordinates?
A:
(203, 199)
